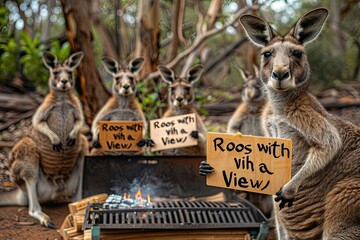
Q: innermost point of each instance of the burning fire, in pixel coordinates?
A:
(116, 201)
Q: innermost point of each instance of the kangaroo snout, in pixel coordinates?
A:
(280, 74)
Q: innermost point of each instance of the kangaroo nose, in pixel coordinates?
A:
(179, 99)
(126, 87)
(280, 75)
(63, 81)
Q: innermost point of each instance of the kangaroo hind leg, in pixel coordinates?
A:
(342, 209)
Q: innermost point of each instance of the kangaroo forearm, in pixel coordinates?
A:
(77, 126)
(43, 128)
(317, 159)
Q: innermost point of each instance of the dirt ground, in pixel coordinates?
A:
(15, 223)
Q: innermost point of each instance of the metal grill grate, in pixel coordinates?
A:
(176, 215)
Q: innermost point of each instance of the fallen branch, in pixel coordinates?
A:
(17, 119)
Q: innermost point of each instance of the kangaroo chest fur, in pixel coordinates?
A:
(308, 209)
(58, 165)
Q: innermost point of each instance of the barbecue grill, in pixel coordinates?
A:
(170, 177)
(176, 215)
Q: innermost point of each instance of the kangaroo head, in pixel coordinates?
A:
(181, 92)
(284, 64)
(124, 77)
(61, 74)
(251, 89)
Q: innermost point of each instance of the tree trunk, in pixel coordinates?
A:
(93, 93)
(108, 44)
(147, 34)
(174, 27)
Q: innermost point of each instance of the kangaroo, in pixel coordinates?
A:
(122, 105)
(181, 101)
(246, 118)
(323, 196)
(47, 163)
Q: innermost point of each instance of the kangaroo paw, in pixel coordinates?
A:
(96, 144)
(283, 200)
(70, 141)
(43, 218)
(205, 168)
(194, 134)
(141, 143)
(57, 147)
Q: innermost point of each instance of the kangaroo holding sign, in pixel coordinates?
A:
(323, 196)
(47, 164)
(123, 105)
(181, 101)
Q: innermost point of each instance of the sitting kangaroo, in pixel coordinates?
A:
(181, 101)
(323, 196)
(246, 118)
(122, 106)
(47, 163)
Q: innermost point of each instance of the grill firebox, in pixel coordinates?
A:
(176, 215)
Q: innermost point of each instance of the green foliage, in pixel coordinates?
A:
(4, 19)
(33, 68)
(8, 59)
(61, 51)
(150, 98)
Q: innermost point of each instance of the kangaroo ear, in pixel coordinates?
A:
(110, 65)
(309, 26)
(256, 71)
(257, 29)
(195, 73)
(167, 74)
(136, 64)
(49, 60)
(243, 74)
(74, 60)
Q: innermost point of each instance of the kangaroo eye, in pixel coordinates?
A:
(56, 74)
(297, 54)
(131, 78)
(267, 54)
(172, 89)
(187, 89)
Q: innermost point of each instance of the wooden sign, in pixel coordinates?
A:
(173, 132)
(248, 163)
(120, 136)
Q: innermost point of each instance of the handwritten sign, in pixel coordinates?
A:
(120, 135)
(173, 132)
(248, 163)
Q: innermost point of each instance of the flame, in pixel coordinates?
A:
(128, 196)
(138, 195)
(148, 197)
(124, 195)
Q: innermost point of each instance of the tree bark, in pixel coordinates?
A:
(93, 93)
(174, 46)
(107, 41)
(147, 34)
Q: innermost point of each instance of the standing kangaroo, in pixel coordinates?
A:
(181, 101)
(323, 196)
(246, 118)
(47, 163)
(122, 106)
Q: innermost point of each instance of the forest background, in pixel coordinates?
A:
(175, 33)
